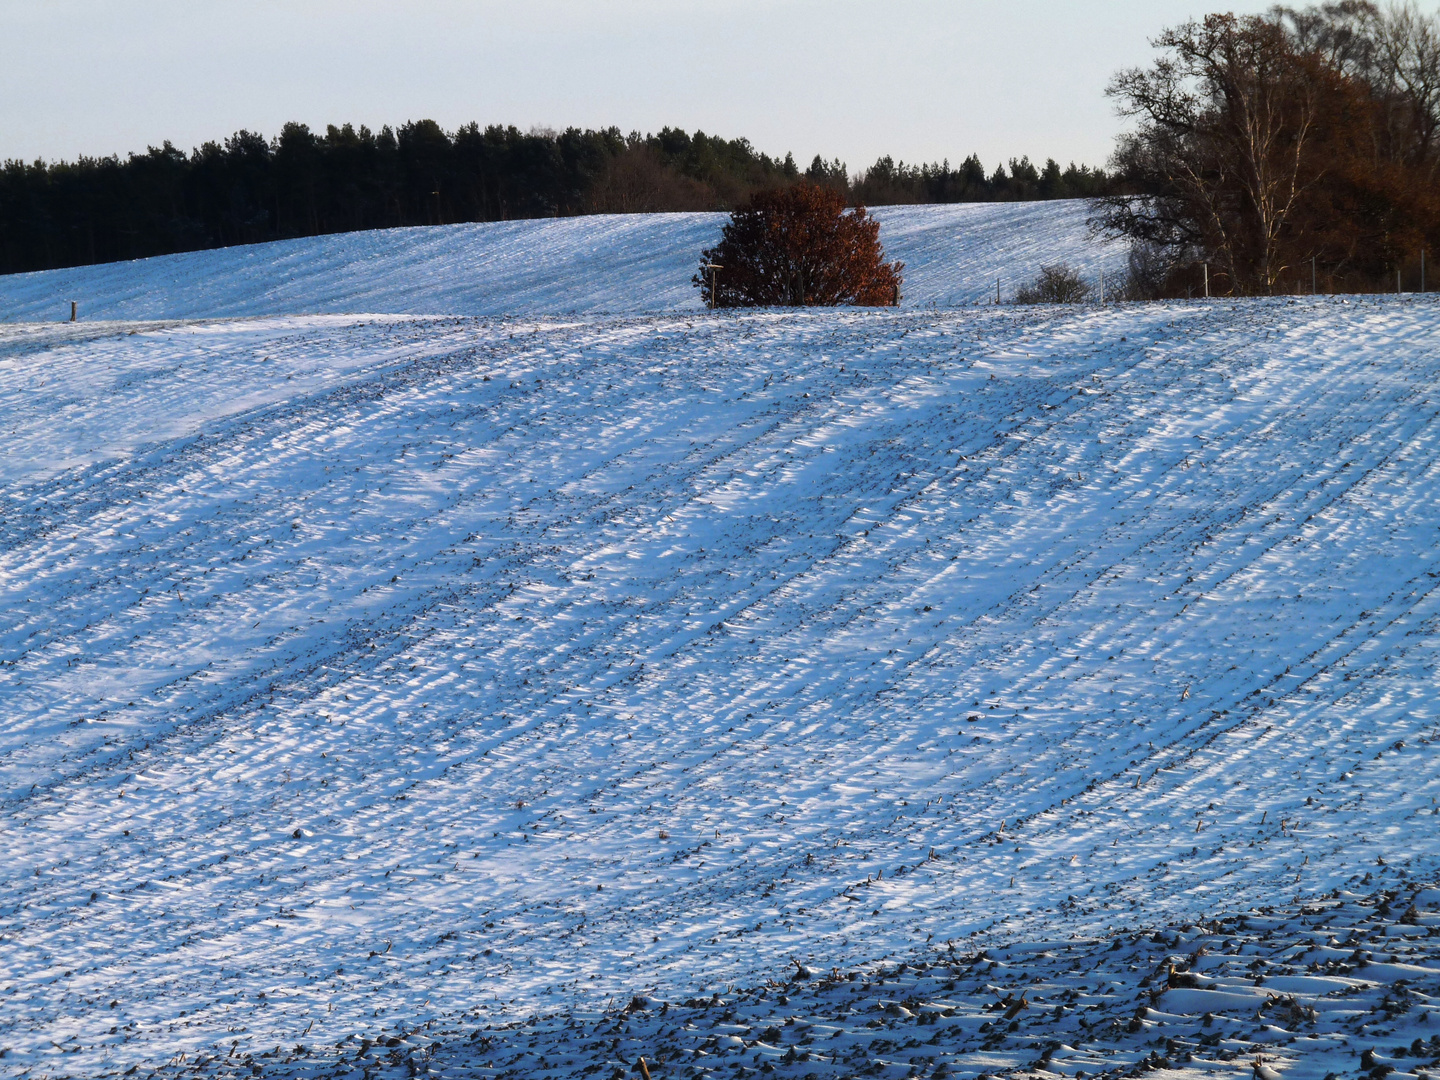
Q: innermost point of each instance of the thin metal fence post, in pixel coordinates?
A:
(1207, 281)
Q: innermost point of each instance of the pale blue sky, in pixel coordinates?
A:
(919, 79)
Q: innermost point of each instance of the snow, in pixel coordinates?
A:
(620, 264)
(366, 672)
(1085, 1007)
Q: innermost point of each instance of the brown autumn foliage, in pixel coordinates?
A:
(798, 247)
(1266, 142)
(638, 181)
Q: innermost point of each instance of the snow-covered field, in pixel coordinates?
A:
(1301, 992)
(363, 672)
(629, 264)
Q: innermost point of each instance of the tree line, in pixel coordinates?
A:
(1279, 153)
(248, 188)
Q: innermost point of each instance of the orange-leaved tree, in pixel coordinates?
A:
(798, 247)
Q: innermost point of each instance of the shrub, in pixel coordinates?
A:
(798, 247)
(1057, 284)
(1149, 270)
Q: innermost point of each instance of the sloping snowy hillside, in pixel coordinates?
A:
(631, 263)
(1302, 991)
(359, 671)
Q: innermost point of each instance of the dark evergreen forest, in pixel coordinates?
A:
(249, 189)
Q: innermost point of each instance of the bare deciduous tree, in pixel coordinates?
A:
(1264, 142)
(637, 181)
(1226, 119)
